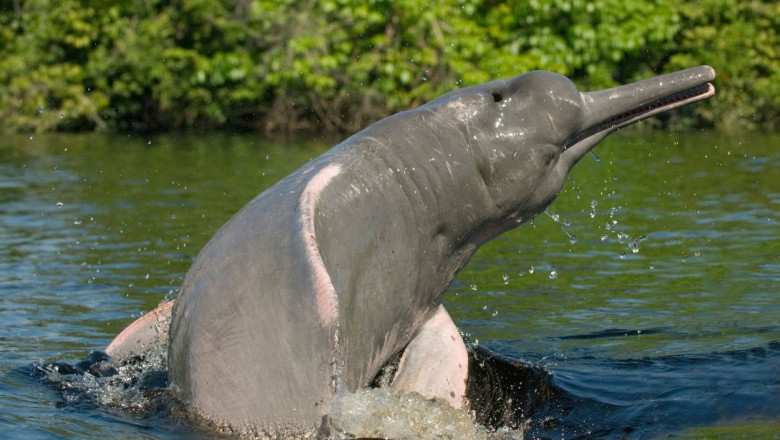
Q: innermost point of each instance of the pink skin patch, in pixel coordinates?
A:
(435, 363)
(142, 334)
(327, 302)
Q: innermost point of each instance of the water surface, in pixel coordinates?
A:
(649, 289)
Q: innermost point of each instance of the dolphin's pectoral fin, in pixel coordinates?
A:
(143, 334)
(435, 363)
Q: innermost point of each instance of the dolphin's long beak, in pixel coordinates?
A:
(608, 110)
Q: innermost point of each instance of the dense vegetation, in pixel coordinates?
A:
(336, 65)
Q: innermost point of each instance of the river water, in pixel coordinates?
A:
(649, 291)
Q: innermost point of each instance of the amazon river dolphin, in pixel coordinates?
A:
(324, 277)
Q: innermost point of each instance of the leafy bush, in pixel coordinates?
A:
(336, 65)
(738, 38)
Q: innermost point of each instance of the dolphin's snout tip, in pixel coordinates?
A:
(708, 72)
(711, 72)
(709, 76)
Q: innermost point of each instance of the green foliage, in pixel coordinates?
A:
(336, 65)
(739, 38)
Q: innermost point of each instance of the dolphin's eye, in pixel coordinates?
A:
(497, 96)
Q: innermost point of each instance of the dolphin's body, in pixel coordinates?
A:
(322, 278)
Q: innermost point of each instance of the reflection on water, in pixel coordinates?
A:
(649, 291)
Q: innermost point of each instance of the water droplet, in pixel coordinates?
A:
(40, 110)
(59, 204)
(531, 269)
(473, 287)
(506, 278)
(146, 276)
(553, 275)
(31, 137)
(77, 221)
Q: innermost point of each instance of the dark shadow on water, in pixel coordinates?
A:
(507, 392)
(600, 398)
(614, 332)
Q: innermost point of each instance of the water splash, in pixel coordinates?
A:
(137, 385)
(564, 225)
(376, 413)
(631, 243)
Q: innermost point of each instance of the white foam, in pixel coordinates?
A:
(376, 413)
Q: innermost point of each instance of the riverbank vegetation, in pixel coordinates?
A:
(285, 66)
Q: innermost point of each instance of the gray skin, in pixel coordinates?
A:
(413, 197)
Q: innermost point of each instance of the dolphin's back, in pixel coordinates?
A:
(246, 348)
